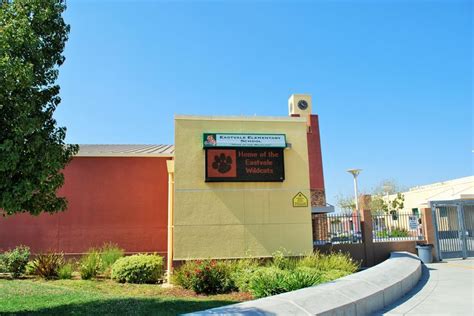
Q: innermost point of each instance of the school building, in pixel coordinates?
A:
(229, 187)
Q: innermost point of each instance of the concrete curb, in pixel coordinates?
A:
(361, 293)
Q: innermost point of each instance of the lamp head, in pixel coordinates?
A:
(354, 172)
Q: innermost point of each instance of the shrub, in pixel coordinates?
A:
(3, 265)
(302, 277)
(394, 232)
(382, 234)
(182, 275)
(289, 274)
(212, 277)
(30, 268)
(283, 262)
(399, 232)
(15, 260)
(47, 265)
(65, 271)
(331, 275)
(206, 276)
(109, 253)
(140, 268)
(90, 264)
(242, 271)
(327, 262)
(268, 281)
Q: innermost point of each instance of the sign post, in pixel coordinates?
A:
(413, 222)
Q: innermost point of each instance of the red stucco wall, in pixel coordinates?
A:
(118, 199)
(316, 178)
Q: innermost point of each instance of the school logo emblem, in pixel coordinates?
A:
(221, 163)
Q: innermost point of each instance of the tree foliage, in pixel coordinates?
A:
(380, 204)
(345, 203)
(32, 149)
(389, 186)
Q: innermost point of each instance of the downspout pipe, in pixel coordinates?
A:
(169, 257)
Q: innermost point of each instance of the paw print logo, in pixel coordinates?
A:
(222, 163)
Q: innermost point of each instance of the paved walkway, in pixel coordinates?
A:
(445, 288)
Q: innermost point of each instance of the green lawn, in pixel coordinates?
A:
(105, 297)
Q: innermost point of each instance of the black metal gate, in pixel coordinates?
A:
(454, 228)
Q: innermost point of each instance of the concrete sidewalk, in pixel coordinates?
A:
(445, 288)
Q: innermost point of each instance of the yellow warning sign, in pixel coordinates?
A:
(300, 200)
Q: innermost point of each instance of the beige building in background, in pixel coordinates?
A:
(420, 197)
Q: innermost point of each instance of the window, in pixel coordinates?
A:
(415, 211)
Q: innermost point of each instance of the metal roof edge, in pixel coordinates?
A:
(125, 150)
(117, 155)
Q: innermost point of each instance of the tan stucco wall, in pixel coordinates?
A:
(237, 219)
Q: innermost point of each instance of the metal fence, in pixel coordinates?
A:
(396, 227)
(337, 229)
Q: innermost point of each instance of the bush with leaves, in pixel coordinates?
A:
(282, 260)
(140, 268)
(182, 275)
(206, 276)
(331, 275)
(268, 281)
(30, 268)
(327, 262)
(47, 265)
(90, 264)
(15, 260)
(212, 277)
(65, 271)
(271, 280)
(3, 265)
(393, 233)
(241, 272)
(399, 232)
(109, 253)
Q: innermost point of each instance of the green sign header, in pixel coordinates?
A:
(211, 140)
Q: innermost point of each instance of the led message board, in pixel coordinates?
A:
(245, 165)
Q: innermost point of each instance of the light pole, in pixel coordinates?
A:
(355, 173)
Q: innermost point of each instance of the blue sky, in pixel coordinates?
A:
(390, 80)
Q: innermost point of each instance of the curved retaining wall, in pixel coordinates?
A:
(361, 293)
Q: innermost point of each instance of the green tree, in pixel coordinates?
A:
(32, 149)
(380, 205)
(377, 205)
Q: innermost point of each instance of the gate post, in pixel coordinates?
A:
(367, 236)
(429, 229)
(435, 227)
(462, 230)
